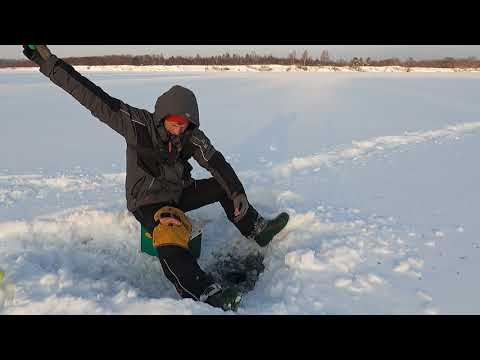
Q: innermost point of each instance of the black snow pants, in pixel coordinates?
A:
(178, 264)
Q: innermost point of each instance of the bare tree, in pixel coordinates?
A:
(292, 57)
(305, 57)
(325, 58)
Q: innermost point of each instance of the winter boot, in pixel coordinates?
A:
(265, 230)
(226, 299)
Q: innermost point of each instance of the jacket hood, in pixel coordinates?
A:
(177, 101)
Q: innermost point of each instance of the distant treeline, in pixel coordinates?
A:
(254, 59)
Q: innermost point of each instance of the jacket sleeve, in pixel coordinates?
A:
(121, 117)
(213, 160)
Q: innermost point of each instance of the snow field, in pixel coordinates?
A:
(376, 170)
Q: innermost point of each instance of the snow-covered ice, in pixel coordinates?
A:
(376, 169)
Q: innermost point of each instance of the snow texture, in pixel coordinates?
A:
(377, 171)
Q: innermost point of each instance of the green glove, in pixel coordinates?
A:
(36, 53)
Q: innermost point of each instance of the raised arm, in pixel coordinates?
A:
(113, 112)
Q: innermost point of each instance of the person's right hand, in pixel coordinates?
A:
(39, 55)
(240, 206)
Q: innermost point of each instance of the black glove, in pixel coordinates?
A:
(240, 202)
(39, 55)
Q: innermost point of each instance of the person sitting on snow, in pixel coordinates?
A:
(159, 187)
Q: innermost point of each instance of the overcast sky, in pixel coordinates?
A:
(336, 51)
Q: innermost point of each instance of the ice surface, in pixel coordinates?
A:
(377, 170)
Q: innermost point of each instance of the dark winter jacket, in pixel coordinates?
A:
(157, 162)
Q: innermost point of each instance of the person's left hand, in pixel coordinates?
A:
(32, 55)
(38, 55)
(240, 205)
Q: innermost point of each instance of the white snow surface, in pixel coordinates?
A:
(377, 171)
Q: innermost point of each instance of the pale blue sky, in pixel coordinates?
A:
(336, 51)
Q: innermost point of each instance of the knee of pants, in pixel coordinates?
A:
(171, 252)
